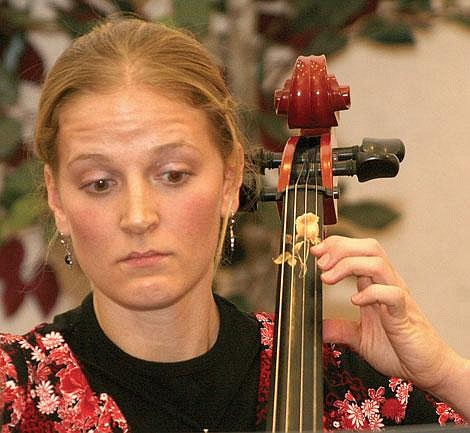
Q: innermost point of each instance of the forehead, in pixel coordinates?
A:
(131, 116)
(127, 109)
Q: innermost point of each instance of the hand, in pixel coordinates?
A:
(393, 335)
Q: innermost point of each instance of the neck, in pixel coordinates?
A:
(182, 331)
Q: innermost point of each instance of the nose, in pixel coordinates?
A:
(139, 213)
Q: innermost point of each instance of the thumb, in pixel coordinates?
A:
(342, 332)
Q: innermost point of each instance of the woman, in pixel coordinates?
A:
(143, 161)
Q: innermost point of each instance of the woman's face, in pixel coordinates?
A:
(140, 188)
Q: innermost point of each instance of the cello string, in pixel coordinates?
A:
(303, 318)
(279, 316)
(316, 301)
(292, 304)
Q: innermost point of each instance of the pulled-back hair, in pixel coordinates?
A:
(130, 51)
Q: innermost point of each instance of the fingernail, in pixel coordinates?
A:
(357, 297)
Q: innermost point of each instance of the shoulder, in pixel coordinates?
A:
(21, 355)
(23, 351)
(46, 387)
(43, 345)
(22, 369)
(15, 350)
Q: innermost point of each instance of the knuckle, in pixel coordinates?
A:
(375, 246)
(399, 295)
(333, 240)
(377, 264)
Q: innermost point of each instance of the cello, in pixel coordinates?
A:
(306, 196)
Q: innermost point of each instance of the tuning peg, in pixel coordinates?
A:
(371, 146)
(383, 145)
(375, 166)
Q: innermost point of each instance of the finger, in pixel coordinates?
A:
(335, 248)
(342, 332)
(377, 269)
(393, 297)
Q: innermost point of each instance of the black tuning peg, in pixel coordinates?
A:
(374, 166)
(373, 159)
(373, 146)
(383, 145)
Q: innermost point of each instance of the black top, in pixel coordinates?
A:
(217, 391)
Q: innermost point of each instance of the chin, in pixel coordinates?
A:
(150, 296)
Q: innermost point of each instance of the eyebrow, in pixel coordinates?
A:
(155, 152)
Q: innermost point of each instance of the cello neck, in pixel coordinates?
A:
(297, 375)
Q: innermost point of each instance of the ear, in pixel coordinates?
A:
(53, 199)
(233, 179)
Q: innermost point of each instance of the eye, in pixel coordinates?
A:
(98, 186)
(175, 176)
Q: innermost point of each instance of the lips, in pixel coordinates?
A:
(143, 259)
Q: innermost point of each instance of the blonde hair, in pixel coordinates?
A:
(132, 51)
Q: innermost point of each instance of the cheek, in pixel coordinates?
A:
(90, 228)
(200, 217)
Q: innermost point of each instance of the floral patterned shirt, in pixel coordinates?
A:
(356, 396)
(44, 389)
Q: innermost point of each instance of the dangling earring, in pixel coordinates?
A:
(68, 259)
(232, 233)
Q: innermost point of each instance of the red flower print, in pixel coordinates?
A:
(356, 416)
(349, 396)
(18, 407)
(62, 356)
(346, 423)
(394, 382)
(331, 355)
(402, 392)
(72, 381)
(375, 422)
(369, 407)
(111, 410)
(59, 398)
(266, 333)
(342, 405)
(42, 373)
(48, 405)
(9, 391)
(393, 409)
(88, 404)
(43, 390)
(446, 413)
(267, 329)
(52, 340)
(6, 367)
(377, 395)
